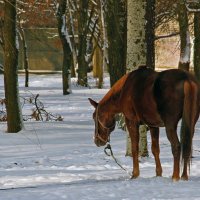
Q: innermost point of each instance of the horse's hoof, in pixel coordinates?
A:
(134, 176)
(184, 178)
(159, 173)
(175, 179)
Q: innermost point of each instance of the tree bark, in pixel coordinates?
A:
(66, 45)
(115, 12)
(136, 45)
(25, 55)
(184, 62)
(82, 42)
(136, 55)
(97, 66)
(150, 33)
(13, 107)
(197, 45)
(103, 31)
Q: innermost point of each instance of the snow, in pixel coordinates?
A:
(58, 160)
(185, 55)
(64, 31)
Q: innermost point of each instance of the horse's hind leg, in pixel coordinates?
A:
(176, 149)
(133, 130)
(187, 156)
(156, 149)
(184, 175)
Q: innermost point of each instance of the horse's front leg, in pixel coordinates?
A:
(133, 129)
(155, 148)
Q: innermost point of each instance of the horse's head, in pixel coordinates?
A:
(104, 125)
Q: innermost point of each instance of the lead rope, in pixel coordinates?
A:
(108, 147)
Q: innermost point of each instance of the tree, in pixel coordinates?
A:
(184, 62)
(1, 22)
(115, 12)
(66, 45)
(197, 44)
(136, 53)
(101, 50)
(166, 13)
(82, 42)
(150, 33)
(14, 117)
(25, 54)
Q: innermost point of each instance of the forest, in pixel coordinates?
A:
(98, 37)
(54, 55)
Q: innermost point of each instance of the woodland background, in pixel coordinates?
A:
(98, 36)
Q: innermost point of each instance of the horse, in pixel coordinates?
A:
(157, 99)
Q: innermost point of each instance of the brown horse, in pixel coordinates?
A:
(156, 99)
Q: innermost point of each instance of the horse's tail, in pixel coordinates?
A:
(189, 117)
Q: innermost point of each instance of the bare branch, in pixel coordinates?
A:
(166, 36)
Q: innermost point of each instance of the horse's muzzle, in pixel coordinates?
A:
(99, 142)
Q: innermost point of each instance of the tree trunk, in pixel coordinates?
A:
(97, 66)
(13, 107)
(82, 42)
(72, 33)
(184, 62)
(100, 51)
(150, 33)
(197, 45)
(67, 53)
(25, 55)
(115, 12)
(136, 45)
(136, 54)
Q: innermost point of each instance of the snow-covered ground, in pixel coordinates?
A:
(58, 160)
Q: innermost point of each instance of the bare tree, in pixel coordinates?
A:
(25, 54)
(14, 117)
(82, 41)
(66, 44)
(115, 12)
(197, 44)
(136, 55)
(184, 62)
(150, 33)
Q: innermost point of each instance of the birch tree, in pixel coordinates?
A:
(10, 46)
(136, 54)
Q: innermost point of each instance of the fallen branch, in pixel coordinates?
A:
(38, 113)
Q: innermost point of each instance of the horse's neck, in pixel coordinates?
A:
(110, 104)
(111, 101)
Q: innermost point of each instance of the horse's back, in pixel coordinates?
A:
(155, 97)
(169, 93)
(138, 98)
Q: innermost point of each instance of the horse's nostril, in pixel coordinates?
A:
(99, 143)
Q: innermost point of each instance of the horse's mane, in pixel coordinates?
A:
(115, 90)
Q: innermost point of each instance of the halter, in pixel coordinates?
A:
(108, 129)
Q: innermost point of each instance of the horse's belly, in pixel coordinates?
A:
(148, 114)
(154, 123)
(152, 119)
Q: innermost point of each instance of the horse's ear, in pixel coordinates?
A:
(94, 103)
